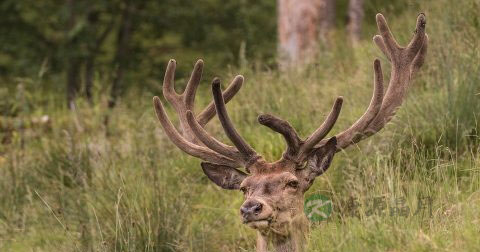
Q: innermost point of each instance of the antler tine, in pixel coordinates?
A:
(248, 153)
(188, 147)
(322, 131)
(188, 95)
(210, 141)
(356, 131)
(193, 82)
(418, 39)
(168, 83)
(284, 128)
(390, 43)
(420, 57)
(209, 112)
(381, 45)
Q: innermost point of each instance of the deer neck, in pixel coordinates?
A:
(293, 240)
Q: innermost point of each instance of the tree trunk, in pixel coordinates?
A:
(73, 59)
(89, 74)
(327, 18)
(73, 81)
(93, 50)
(355, 17)
(120, 60)
(301, 24)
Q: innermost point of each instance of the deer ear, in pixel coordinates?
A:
(322, 157)
(224, 176)
(320, 160)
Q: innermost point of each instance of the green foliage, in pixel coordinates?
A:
(51, 31)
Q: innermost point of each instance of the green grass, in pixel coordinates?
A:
(76, 185)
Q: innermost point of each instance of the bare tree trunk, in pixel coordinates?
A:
(73, 81)
(93, 17)
(300, 26)
(93, 50)
(120, 60)
(327, 18)
(73, 60)
(355, 18)
(89, 74)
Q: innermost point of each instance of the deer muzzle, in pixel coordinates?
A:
(256, 213)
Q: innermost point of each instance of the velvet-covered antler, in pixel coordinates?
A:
(195, 141)
(406, 61)
(187, 140)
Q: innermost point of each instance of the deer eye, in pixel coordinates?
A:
(293, 184)
(243, 189)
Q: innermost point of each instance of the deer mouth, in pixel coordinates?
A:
(259, 223)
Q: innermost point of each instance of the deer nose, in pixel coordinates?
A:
(250, 209)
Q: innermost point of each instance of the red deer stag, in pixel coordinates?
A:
(274, 191)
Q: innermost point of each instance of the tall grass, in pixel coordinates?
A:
(76, 185)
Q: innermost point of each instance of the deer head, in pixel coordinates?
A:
(274, 191)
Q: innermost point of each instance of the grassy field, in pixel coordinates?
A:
(75, 184)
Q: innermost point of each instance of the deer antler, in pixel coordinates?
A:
(195, 141)
(188, 141)
(297, 149)
(248, 153)
(242, 152)
(406, 61)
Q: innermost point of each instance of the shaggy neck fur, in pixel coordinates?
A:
(294, 238)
